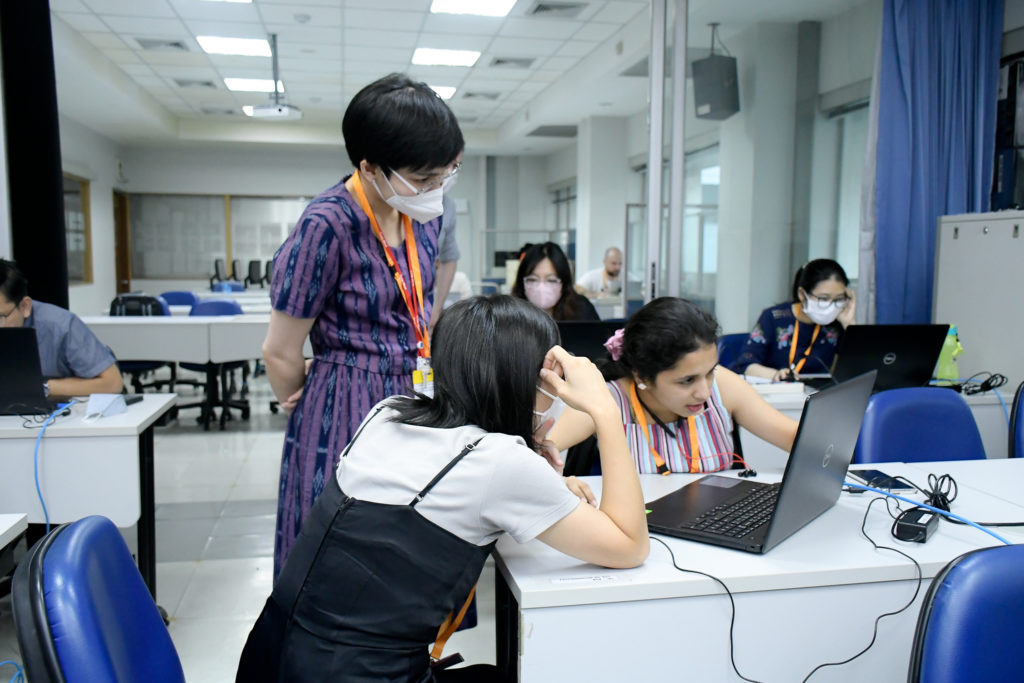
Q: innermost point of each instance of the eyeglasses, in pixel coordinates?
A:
(444, 183)
(534, 280)
(840, 300)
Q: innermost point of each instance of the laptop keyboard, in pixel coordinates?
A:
(741, 517)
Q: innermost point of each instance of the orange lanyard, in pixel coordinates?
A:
(413, 304)
(807, 352)
(641, 418)
(449, 626)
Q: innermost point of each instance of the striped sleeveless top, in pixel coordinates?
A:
(714, 436)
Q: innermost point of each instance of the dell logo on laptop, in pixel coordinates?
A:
(889, 358)
(828, 455)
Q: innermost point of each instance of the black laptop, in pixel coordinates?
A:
(587, 338)
(754, 516)
(904, 355)
(21, 376)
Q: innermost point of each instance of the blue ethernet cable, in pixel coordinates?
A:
(35, 456)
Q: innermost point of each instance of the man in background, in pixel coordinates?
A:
(604, 281)
(74, 361)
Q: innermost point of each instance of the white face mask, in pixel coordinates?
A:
(821, 312)
(422, 207)
(543, 294)
(553, 412)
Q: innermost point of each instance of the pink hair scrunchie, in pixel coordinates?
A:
(614, 344)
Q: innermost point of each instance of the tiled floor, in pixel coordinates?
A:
(216, 496)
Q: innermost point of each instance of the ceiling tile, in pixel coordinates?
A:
(293, 3)
(216, 11)
(192, 73)
(406, 5)
(297, 33)
(287, 49)
(59, 6)
(84, 22)
(528, 47)
(105, 39)
(226, 29)
(398, 21)
(240, 62)
(123, 56)
(594, 31)
(158, 58)
(140, 26)
(463, 23)
(134, 70)
(452, 41)
(365, 36)
(292, 65)
(319, 17)
(559, 63)
(131, 8)
(619, 12)
(378, 54)
(539, 28)
(576, 48)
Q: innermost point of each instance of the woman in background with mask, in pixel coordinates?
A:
(355, 276)
(545, 280)
(801, 335)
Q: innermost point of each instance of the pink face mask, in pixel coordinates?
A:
(543, 294)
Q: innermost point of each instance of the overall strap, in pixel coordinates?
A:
(440, 475)
(360, 430)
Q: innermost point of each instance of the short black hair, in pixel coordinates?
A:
(396, 122)
(659, 334)
(811, 273)
(565, 308)
(487, 352)
(13, 284)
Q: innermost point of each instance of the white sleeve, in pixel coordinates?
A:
(525, 496)
(591, 280)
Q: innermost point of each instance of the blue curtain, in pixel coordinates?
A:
(938, 84)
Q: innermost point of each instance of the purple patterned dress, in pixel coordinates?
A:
(332, 268)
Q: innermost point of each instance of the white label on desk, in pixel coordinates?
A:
(577, 580)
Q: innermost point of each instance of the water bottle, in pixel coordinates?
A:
(946, 370)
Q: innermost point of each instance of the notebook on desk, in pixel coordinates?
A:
(754, 516)
(21, 375)
(903, 355)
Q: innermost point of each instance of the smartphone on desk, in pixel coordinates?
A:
(879, 480)
(132, 398)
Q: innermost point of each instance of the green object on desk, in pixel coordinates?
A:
(648, 511)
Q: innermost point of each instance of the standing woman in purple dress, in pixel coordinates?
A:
(355, 276)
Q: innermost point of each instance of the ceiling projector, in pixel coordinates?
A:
(279, 112)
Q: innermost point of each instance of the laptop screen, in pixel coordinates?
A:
(21, 391)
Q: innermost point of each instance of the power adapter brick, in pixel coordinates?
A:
(916, 524)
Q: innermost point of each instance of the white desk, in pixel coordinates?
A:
(99, 468)
(809, 600)
(262, 307)
(987, 410)
(184, 339)
(12, 540)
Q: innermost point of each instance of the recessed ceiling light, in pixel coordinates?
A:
(253, 84)
(247, 47)
(483, 8)
(427, 56)
(445, 92)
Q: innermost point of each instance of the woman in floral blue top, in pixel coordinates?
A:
(801, 335)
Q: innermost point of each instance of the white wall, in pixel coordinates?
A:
(91, 156)
(603, 174)
(849, 42)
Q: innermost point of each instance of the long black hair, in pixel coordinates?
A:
(396, 122)
(811, 273)
(487, 352)
(565, 307)
(658, 335)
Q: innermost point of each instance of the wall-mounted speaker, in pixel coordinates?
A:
(716, 92)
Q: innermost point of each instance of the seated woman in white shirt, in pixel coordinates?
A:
(398, 537)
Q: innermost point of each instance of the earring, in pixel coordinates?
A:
(641, 385)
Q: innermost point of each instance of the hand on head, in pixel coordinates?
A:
(576, 380)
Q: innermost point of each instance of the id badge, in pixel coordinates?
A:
(423, 377)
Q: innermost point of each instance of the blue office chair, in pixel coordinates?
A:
(180, 298)
(83, 614)
(138, 304)
(1016, 445)
(220, 272)
(970, 626)
(918, 424)
(219, 381)
(227, 286)
(729, 348)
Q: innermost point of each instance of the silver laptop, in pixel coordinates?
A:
(754, 516)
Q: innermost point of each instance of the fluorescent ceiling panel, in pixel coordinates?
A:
(247, 47)
(426, 56)
(444, 91)
(253, 84)
(483, 8)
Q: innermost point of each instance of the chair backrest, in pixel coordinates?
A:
(729, 347)
(220, 270)
(268, 271)
(255, 275)
(236, 270)
(1016, 446)
(181, 298)
(918, 424)
(970, 623)
(82, 612)
(139, 304)
(217, 307)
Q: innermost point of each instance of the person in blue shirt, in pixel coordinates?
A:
(73, 360)
(801, 335)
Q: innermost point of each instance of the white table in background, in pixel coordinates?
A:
(99, 468)
(12, 540)
(263, 307)
(809, 600)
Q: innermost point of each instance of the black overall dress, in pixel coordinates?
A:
(362, 593)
